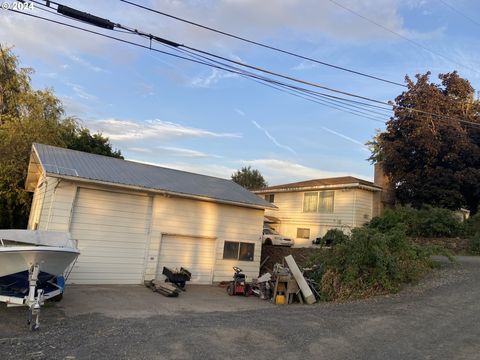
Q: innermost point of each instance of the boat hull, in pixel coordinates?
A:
(51, 260)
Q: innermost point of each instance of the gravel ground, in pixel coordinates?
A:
(436, 319)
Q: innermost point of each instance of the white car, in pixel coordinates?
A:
(271, 237)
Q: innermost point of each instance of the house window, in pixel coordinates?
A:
(310, 201)
(303, 233)
(325, 201)
(318, 201)
(242, 251)
(270, 198)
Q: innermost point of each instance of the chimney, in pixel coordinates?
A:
(384, 198)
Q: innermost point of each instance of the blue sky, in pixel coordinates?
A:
(167, 111)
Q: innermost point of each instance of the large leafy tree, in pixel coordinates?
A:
(27, 116)
(249, 178)
(433, 159)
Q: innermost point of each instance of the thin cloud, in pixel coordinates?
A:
(282, 171)
(272, 139)
(183, 152)
(213, 78)
(85, 63)
(125, 130)
(239, 112)
(348, 138)
(140, 150)
(304, 65)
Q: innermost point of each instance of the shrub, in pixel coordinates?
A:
(425, 222)
(474, 244)
(334, 237)
(472, 225)
(371, 262)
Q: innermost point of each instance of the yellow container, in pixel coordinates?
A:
(280, 299)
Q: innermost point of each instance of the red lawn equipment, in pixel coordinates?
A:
(239, 284)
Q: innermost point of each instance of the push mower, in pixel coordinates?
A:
(239, 284)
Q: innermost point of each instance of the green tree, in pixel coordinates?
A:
(249, 178)
(433, 160)
(27, 116)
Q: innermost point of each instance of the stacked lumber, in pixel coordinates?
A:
(163, 288)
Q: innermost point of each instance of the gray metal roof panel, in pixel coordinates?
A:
(71, 163)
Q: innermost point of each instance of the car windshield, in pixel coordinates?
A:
(270, 231)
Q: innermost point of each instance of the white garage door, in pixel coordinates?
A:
(111, 229)
(193, 253)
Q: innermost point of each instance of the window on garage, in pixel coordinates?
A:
(235, 250)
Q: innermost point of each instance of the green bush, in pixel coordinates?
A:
(472, 225)
(425, 222)
(371, 262)
(474, 244)
(332, 237)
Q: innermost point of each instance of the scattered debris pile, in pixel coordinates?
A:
(163, 288)
(284, 285)
(174, 283)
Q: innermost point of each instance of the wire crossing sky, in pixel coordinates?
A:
(219, 103)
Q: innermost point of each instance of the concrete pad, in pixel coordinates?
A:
(134, 301)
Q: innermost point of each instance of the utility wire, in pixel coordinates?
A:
(298, 92)
(138, 45)
(263, 44)
(402, 36)
(218, 67)
(460, 12)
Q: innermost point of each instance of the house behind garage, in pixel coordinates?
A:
(131, 219)
(308, 209)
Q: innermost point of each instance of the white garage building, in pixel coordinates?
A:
(131, 219)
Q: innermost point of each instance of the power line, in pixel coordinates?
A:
(263, 44)
(401, 36)
(223, 68)
(460, 12)
(130, 43)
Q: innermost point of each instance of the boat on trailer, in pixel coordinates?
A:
(33, 267)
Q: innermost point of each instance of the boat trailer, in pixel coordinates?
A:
(34, 299)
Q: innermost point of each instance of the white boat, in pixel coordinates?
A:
(52, 251)
(33, 265)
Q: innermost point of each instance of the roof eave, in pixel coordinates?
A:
(159, 191)
(320, 187)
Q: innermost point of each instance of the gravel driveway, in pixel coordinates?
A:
(437, 319)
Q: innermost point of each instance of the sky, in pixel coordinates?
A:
(167, 111)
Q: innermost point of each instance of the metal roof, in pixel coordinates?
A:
(66, 163)
(318, 183)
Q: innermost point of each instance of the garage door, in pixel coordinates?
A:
(111, 229)
(193, 253)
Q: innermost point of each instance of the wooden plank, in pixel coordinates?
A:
(302, 283)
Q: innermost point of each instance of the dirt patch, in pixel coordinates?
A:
(456, 245)
(276, 254)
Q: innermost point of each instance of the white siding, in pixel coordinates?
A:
(193, 253)
(209, 220)
(37, 204)
(344, 216)
(117, 230)
(363, 206)
(53, 205)
(112, 231)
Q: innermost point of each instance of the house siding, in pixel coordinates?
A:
(166, 215)
(209, 220)
(350, 205)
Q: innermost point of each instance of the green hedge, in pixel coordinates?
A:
(371, 262)
(425, 222)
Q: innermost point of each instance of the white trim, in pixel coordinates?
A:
(155, 191)
(320, 187)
